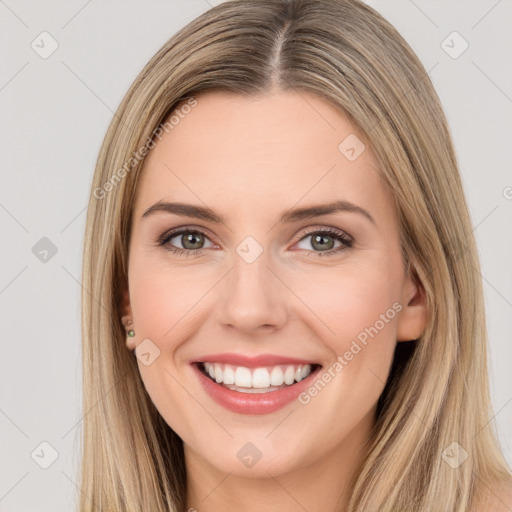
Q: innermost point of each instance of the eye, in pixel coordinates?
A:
(191, 240)
(324, 239)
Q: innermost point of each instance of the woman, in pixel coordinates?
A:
(280, 306)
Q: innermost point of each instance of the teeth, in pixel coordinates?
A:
(305, 372)
(243, 377)
(228, 375)
(259, 378)
(276, 377)
(289, 375)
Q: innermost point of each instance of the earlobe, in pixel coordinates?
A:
(413, 317)
(130, 333)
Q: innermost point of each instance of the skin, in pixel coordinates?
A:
(250, 159)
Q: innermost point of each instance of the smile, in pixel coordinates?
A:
(256, 390)
(256, 380)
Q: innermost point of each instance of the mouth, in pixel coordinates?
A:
(265, 379)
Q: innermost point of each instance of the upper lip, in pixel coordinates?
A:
(251, 361)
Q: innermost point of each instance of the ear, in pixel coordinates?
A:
(125, 309)
(413, 317)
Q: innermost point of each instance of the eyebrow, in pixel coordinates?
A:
(288, 216)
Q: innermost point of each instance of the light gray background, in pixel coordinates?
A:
(54, 114)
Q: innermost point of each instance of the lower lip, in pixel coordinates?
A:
(253, 403)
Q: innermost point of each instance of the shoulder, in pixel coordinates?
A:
(498, 499)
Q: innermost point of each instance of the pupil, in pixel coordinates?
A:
(190, 238)
(318, 238)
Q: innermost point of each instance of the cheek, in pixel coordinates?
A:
(162, 301)
(356, 311)
(349, 300)
(164, 298)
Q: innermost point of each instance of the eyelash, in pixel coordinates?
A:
(338, 235)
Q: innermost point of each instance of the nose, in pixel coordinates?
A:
(252, 297)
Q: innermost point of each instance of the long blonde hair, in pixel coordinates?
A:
(345, 52)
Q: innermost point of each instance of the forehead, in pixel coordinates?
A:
(251, 152)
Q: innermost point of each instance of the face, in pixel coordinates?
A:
(259, 282)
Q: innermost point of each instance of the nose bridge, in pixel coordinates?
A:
(252, 295)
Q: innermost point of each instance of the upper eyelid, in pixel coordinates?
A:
(310, 231)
